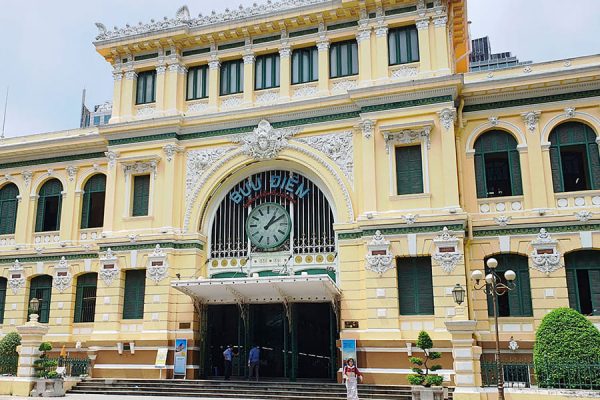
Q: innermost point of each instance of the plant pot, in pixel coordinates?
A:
(427, 393)
(48, 388)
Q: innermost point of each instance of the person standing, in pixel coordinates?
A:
(253, 362)
(351, 376)
(228, 357)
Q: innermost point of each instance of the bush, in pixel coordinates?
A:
(9, 343)
(421, 377)
(566, 345)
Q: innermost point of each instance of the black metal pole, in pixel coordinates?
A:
(499, 372)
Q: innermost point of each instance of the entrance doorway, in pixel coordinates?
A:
(298, 345)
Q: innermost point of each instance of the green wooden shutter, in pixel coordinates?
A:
(406, 291)
(572, 289)
(425, 285)
(480, 176)
(594, 164)
(519, 299)
(594, 277)
(39, 215)
(415, 286)
(133, 300)
(3, 282)
(409, 170)
(59, 212)
(41, 288)
(78, 302)
(86, 288)
(555, 165)
(141, 194)
(515, 172)
(85, 209)
(8, 209)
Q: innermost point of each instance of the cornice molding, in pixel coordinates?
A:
(390, 231)
(534, 229)
(52, 160)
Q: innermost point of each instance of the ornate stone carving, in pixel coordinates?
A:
(170, 150)
(265, 142)
(531, 119)
(62, 275)
(214, 62)
(381, 30)
(198, 162)
(16, 277)
(368, 127)
(306, 91)
(343, 85)
(112, 157)
(147, 110)
(502, 220)
(71, 171)
(268, 97)
(584, 215)
(285, 51)
(161, 69)
(410, 219)
(130, 75)
(440, 21)
(249, 58)
(405, 72)
(197, 107)
(109, 269)
(379, 257)
(27, 175)
(493, 121)
(446, 253)
(406, 136)
(570, 112)
(545, 256)
(527, 69)
(141, 166)
(180, 69)
(447, 117)
(423, 23)
(232, 102)
(364, 33)
(338, 147)
(157, 267)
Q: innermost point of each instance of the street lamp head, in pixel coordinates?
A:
(458, 292)
(477, 275)
(510, 275)
(34, 305)
(489, 278)
(492, 263)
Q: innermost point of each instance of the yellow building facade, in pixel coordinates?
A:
(391, 174)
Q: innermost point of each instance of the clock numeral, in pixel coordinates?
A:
(280, 231)
(253, 226)
(275, 238)
(260, 239)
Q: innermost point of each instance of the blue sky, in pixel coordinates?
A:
(48, 56)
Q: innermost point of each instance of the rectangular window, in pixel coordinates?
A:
(343, 59)
(267, 71)
(403, 45)
(135, 289)
(96, 120)
(409, 170)
(106, 119)
(415, 286)
(141, 195)
(197, 83)
(305, 65)
(85, 298)
(146, 87)
(232, 77)
(3, 284)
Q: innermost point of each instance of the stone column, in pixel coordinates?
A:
(323, 47)
(424, 45)
(161, 88)
(441, 43)
(174, 88)
(249, 59)
(32, 334)
(117, 93)
(369, 185)
(214, 68)
(447, 117)
(128, 95)
(466, 354)
(285, 71)
(363, 38)
(381, 45)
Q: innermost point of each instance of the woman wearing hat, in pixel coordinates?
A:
(351, 376)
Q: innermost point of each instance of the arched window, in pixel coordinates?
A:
(48, 207)
(92, 212)
(3, 282)
(517, 302)
(583, 281)
(85, 297)
(8, 208)
(41, 289)
(574, 158)
(497, 166)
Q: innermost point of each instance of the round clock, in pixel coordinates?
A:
(268, 225)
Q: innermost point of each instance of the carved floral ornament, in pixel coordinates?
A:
(265, 142)
(157, 266)
(545, 256)
(531, 119)
(109, 269)
(136, 167)
(62, 275)
(16, 277)
(447, 117)
(379, 257)
(446, 250)
(393, 136)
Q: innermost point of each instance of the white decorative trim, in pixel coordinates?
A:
(130, 75)
(62, 275)
(161, 69)
(178, 68)
(404, 72)
(16, 284)
(27, 175)
(323, 44)
(364, 33)
(285, 51)
(338, 147)
(381, 31)
(406, 136)
(197, 107)
(440, 21)
(267, 97)
(249, 59)
(583, 215)
(446, 258)
(377, 262)
(343, 85)
(198, 161)
(170, 150)
(545, 256)
(146, 110)
(157, 266)
(137, 167)
(527, 69)
(447, 117)
(422, 23)
(409, 219)
(307, 90)
(71, 172)
(569, 113)
(233, 101)
(531, 119)
(502, 220)
(108, 274)
(492, 123)
(112, 157)
(265, 142)
(367, 126)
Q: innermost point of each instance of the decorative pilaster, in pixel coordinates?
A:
(363, 37)
(249, 60)
(466, 355)
(323, 47)
(214, 66)
(285, 61)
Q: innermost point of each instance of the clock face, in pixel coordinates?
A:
(268, 225)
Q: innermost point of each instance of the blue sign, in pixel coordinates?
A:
(180, 356)
(285, 183)
(348, 350)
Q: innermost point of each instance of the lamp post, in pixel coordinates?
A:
(494, 287)
(34, 307)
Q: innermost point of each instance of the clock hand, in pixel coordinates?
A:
(273, 220)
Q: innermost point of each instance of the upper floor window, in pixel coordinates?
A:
(305, 65)
(135, 290)
(92, 211)
(48, 206)
(497, 165)
(146, 87)
(232, 77)
(8, 208)
(574, 158)
(3, 284)
(41, 289)
(141, 195)
(403, 45)
(517, 302)
(197, 83)
(85, 297)
(415, 286)
(409, 170)
(343, 59)
(267, 71)
(583, 281)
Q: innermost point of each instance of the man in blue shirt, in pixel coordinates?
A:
(254, 362)
(228, 357)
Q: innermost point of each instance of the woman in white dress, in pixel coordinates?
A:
(351, 377)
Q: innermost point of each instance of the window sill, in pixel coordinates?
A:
(304, 83)
(410, 196)
(269, 88)
(139, 218)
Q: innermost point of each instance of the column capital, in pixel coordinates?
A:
(130, 75)
(249, 58)
(422, 23)
(364, 33)
(440, 21)
(285, 51)
(381, 30)
(178, 68)
(117, 75)
(214, 62)
(323, 43)
(161, 69)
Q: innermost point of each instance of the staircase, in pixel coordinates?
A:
(237, 389)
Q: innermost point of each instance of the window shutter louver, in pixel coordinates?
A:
(480, 176)
(41, 288)
(39, 215)
(594, 277)
(415, 286)
(3, 284)
(85, 209)
(572, 289)
(524, 285)
(409, 170)
(406, 290)
(141, 192)
(594, 160)
(133, 301)
(515, 173)
(555, 164)
(425, 284)
(8, 209)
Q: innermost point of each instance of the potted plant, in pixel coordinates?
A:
(49, 382)
(426, 386)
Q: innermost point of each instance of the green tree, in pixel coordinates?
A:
(567, 351)
(421, 369)
(9, 343)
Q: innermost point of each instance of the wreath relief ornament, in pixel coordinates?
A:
(446, 250)
(545, 256)
(265, 142)
(379, 257)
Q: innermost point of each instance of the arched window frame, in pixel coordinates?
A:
(85, 297)
(518, 300)
(9, 203)
(51, 188)
(570, 134)
(581, 267)
(40, 287)
(95, 184)
(497, 142)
